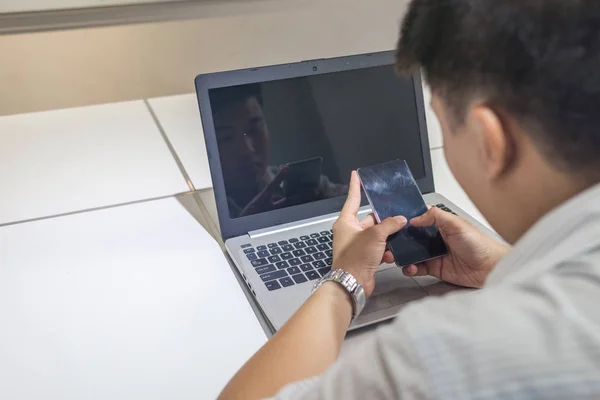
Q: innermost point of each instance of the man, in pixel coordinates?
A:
(253, 186)
(516, 87)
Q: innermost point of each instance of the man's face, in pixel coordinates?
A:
(464, 157)
(244, 146)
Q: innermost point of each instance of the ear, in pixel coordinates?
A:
(494, 141)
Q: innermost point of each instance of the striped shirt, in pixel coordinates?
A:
(532, 333)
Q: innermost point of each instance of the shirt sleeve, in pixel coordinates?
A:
(528, 342)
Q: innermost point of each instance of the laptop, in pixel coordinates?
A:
(281, 142)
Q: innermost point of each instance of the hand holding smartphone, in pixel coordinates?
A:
(392, 191)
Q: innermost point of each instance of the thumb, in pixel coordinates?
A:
(438, 218)
(390, 226)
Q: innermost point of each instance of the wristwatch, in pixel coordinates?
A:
(348, 282)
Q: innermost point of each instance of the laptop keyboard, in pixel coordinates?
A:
(293, 261)
(296, 260)
(443, 207)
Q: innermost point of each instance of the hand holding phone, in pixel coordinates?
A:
(392, 191)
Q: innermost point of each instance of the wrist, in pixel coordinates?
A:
(339, 297)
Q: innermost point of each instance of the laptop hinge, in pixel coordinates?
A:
(274, 230)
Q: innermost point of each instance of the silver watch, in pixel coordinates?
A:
(348, 282)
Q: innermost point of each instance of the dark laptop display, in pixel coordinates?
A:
(289, 142)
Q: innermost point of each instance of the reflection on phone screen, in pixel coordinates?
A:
(392, 191)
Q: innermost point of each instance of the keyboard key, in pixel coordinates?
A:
(440, 205)
(329, 261)
(287, 247)
(271, 245)
(329, 253)
(319, 264)
(282, 242)
(260, 262)
(274, 275)
(259, 248)
(300, 245)
(325, 233)
(282, 265)
(274, 259)
(286, 282)
(287, 256)
(245, 246)
(252, 256)
(304, 237)
(324, 271)
(313, 275)
(251, 250)
(323, 246)
(273, 285)
(293, 270)
(306, 267)
(298, 253)
(264, 254)
(319, 256)
(265, 269)
(311, 250)
(324, 239)
(315, 235)
(295, 261)
(312, 242)
(276, 250)
(293, 240)
(306, 259)
(299, 278)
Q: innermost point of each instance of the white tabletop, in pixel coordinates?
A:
(179, 116)
(133, 302)
(68, 160)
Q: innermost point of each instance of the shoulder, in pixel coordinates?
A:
(507, 339)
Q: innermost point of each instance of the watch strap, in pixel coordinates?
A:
(350, 284)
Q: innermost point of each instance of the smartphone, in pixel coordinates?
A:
(392, 191)
(302, 176)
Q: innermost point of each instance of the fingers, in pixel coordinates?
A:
(390, 226)
(368, 221)
(388, 258)
(415, 270)
(278, 178)
(353, 201)
(436, 217)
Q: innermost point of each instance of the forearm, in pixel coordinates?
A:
(304, 347)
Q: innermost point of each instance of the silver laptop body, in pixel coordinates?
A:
(339, 114)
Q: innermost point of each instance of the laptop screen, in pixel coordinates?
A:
(295, 141)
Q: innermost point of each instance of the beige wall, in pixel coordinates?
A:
(49, 70)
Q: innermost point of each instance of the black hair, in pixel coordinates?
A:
(535, 60)
(224, 97)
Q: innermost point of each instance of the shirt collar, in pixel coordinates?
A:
(561, 234)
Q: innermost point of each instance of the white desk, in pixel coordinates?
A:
(434, 129)
(133, 302)
(180, 119)
(68, 160)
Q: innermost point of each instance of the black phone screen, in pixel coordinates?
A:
(392, 191)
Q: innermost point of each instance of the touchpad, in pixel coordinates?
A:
(392, 288)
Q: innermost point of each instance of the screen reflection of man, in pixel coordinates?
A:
(252, 185)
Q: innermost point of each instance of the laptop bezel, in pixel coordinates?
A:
(205, 82)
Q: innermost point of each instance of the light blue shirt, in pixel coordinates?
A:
(532, 333)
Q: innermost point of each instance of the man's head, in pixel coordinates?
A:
(242, 136)
(516, 86)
